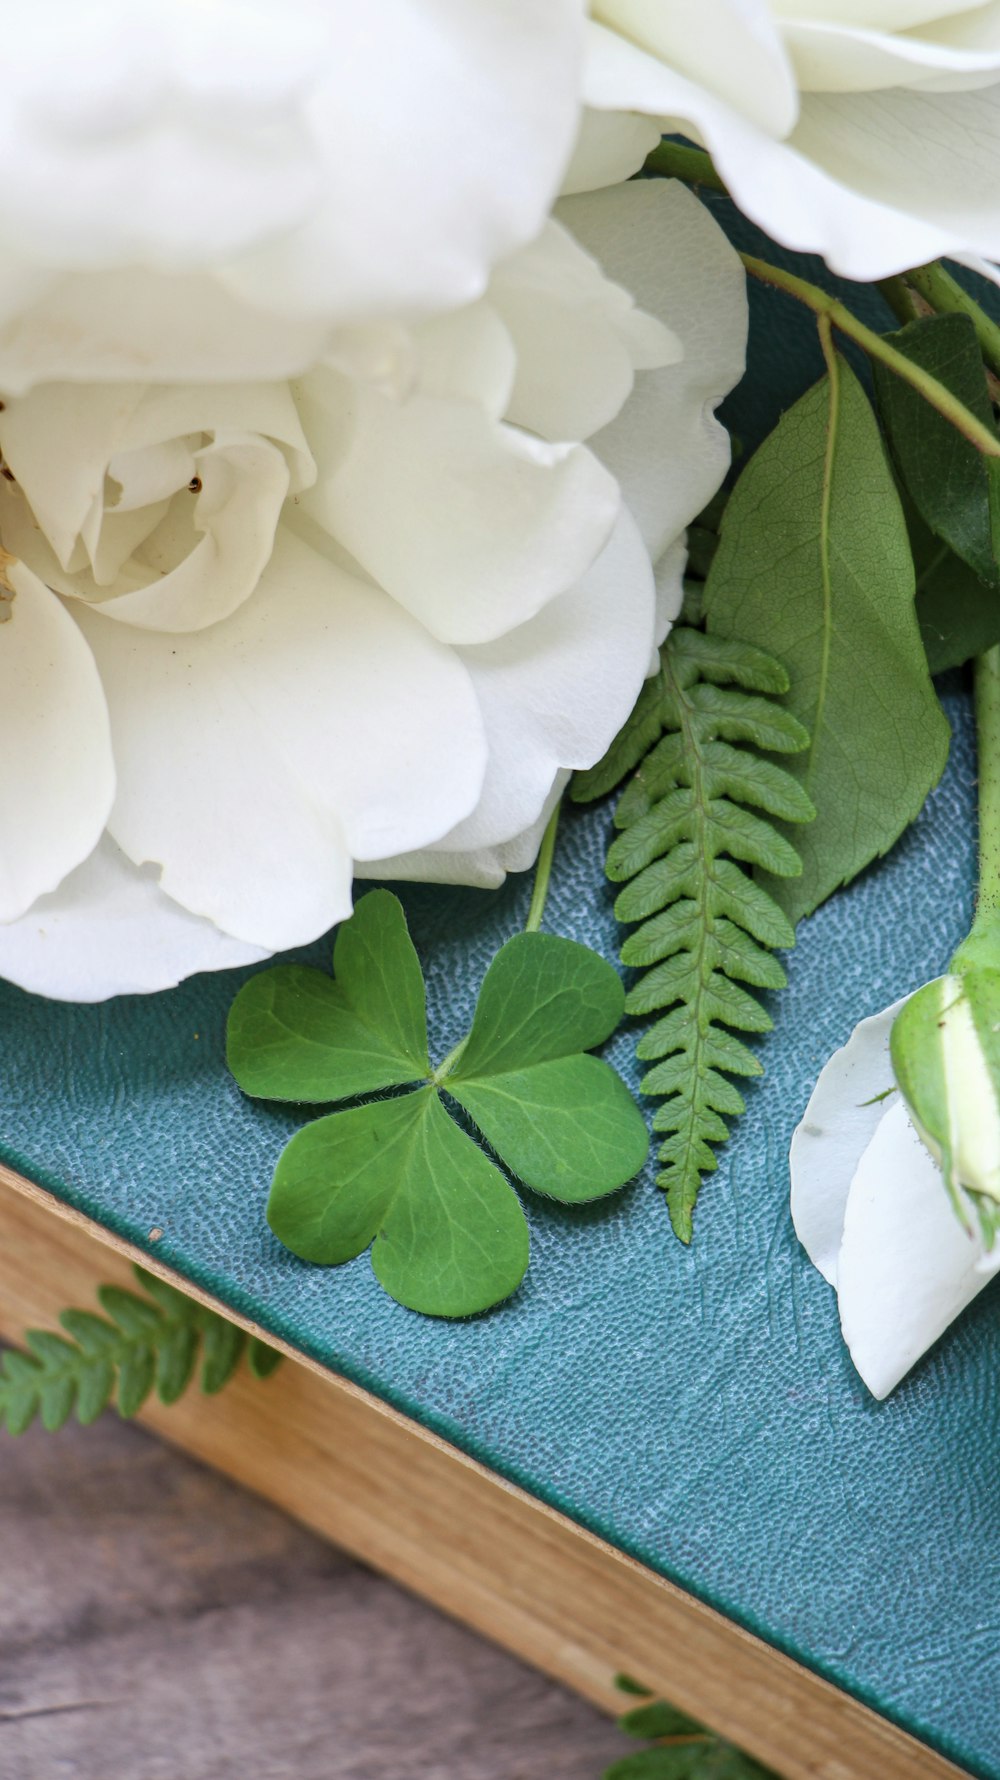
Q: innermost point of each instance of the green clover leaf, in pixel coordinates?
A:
(447, 1232)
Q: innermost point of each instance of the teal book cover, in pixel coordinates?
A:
(696, 1407)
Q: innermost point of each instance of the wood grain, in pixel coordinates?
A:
(158, 1623)
(384, 1488)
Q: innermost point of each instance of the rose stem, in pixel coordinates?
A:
(981, 950)
(823, 305)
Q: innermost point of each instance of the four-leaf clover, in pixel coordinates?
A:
(448, 1234)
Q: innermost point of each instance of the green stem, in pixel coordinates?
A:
(945, 294)
(982, 948)
(445, 1068)
(839, 316)
(690, 164)
(900, 299)
(543, 873)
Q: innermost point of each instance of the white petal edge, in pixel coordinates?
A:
(666, 448)
(318, 724)
(110, 930)
(827, 1144)
(57, 778)
(553, 695)
(907, 1268)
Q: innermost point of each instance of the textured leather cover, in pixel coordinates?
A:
(696, 1408)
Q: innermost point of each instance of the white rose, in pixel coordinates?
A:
(864, 130)
(206, 191)
(257, 635)
(871, 1209)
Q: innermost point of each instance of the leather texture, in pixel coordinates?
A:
(696, 1408)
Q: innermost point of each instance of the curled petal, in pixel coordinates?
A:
(579, 338)
(471, 525)
(57, 778)
(907, 1268)
(870, 1207)
(110, 930)
(484, 99)
(553, 694)
(254, 770)
(666, 448)
(844, 1111)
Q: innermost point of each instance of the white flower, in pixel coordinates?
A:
(871, 1208)
(864, 130)
(207, 189)
(259, 634)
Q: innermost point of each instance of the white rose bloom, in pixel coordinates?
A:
(864, 130)
(207, 191)
(255, 635)
(871, 1209)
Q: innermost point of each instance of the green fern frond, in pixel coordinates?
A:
(699, 809)
(141, 1344)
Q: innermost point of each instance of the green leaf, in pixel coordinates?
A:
(568, 1128)
(955, 489)
(222, 1349)
(659, 1719)
(447, 1231)
(814, 564)
(449, 1234)
(682, 1748)
(542, 997)
(959, 615)
(706, 926)
(295, 1034)
(151, 1340)
(261, 1359)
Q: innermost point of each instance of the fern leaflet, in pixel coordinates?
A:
(142, 1343)
(698, 811)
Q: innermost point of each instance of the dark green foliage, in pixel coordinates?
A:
(955, 489)
(696, 813)
(682, 1749)
(141, 1344)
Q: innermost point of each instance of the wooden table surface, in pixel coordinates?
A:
(158, 1623)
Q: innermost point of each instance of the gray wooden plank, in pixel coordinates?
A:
(158, 1623)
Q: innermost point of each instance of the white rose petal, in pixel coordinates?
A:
(211, 191)
(57, 777)
(839, 130)
(394, 616)
(870, 1207)
(636, 234)
(254, 769)
(157, 503)
(109, 929)
(471, 525)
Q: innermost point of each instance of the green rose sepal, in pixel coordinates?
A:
(945, 1048)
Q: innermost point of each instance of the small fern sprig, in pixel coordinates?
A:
(697, 736)
(142, 1343)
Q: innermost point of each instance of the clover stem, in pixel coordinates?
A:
(946, 296)
(445, 1068)
(543, 873)
(981, 950)
(840, 317)
(692, 165)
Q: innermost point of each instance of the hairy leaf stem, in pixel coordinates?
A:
(946, 296)
(982, 947)
(836, 314)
